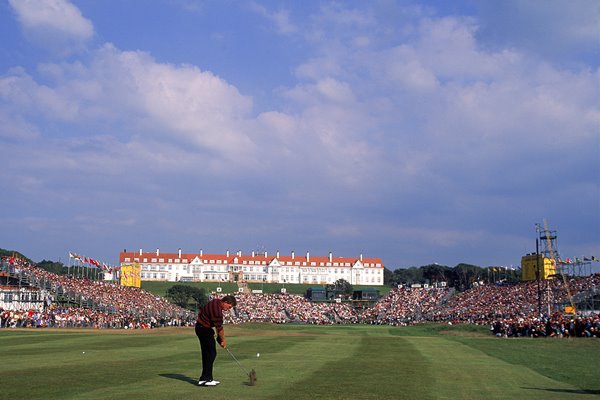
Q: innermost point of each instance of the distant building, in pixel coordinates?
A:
(254, 267)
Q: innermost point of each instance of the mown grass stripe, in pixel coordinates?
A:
(462, 372)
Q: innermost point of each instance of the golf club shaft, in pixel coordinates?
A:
(237, 362)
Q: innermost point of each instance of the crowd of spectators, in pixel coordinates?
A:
(404, 305)
(290, 308)
(107, 304)
(486, 303)
(77, 317)
(508, 309)
(555, 325)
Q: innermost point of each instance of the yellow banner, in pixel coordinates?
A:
(130, 275)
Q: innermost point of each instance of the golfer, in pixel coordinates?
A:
(209, 316)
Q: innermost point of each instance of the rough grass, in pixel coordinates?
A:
(298, 362)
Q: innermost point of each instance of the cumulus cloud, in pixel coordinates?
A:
(56, 24)
(415, 134)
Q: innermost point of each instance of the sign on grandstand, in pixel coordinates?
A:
(130, 275)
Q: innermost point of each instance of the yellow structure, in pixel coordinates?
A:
(130, 275)
(529, 265)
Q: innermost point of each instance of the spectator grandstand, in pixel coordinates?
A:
(508, 309)
(87, 303)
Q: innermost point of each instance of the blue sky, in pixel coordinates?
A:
(418, 132)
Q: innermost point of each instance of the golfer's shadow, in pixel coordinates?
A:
(180, 377)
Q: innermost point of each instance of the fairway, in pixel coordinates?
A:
(298, 362)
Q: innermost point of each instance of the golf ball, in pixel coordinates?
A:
(257, 354)
(83, 352)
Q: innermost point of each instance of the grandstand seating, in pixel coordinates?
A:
(509, 309)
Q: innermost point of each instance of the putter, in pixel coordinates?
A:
(251, 374)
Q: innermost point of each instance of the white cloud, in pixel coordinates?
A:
(16, 128)
(56, 24)
(280, 19)
(180, 103)
(417, 132)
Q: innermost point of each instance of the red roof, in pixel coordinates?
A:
(256, 258)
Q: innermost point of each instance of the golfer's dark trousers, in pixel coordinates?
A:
(209, 351)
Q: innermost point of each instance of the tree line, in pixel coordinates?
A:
(461, 277)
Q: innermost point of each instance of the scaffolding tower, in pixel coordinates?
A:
(550, 292)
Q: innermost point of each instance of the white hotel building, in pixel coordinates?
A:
(255, 267)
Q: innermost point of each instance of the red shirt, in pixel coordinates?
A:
(211, 315)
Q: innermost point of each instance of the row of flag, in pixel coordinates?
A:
(502, 269)
(578, 260)
(91, 262)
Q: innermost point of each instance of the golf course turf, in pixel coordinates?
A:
(298, 362)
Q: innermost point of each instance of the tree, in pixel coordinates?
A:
(407, 275)
(180, 295)
(51, 266)
(387, 276)
(465, 275)
(199, 296)
(342, 286)
(435, 273)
